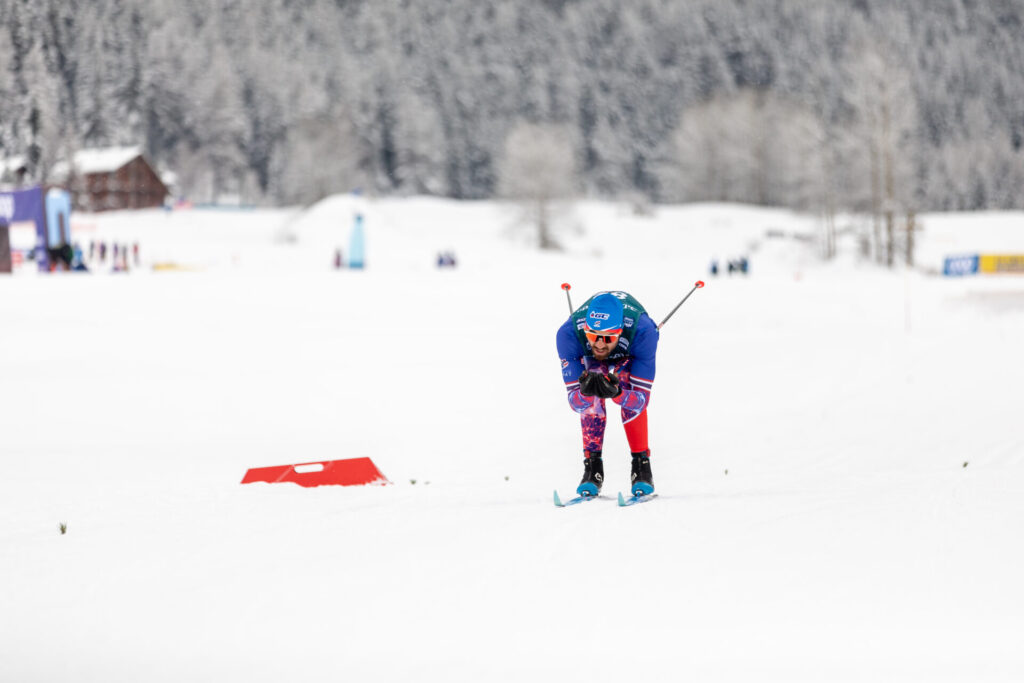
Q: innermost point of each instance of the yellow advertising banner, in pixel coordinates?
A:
(1002, 263)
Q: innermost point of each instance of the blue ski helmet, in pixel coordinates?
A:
(604, 314)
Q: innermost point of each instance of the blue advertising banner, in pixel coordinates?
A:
(27, 205)
(958, 266)
(22, 205)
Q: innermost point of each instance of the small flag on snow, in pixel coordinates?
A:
(350, 472)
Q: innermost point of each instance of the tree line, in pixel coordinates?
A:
(868, 105)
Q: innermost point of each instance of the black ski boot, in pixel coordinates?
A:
(593, 474)
(640, 475)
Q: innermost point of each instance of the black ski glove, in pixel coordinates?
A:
(607, 386)
(587, 381)
(601, 386)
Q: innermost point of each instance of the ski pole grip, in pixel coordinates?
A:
(566, 286)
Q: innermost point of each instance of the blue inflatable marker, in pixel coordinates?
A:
(357, 244)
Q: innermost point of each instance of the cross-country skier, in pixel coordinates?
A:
(607, 348)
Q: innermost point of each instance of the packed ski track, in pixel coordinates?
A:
(836, 449)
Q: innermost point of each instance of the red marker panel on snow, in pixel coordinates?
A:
(350, 472)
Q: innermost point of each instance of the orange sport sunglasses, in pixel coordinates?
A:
(609, 336)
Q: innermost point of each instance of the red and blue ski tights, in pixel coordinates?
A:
(633, 400)
(593, 423)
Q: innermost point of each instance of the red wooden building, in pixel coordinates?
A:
(111, 178)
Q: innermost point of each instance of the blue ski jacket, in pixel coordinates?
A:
(633, 360)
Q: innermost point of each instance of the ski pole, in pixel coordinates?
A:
(696, 286)
(566, 286)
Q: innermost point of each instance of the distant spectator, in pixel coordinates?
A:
(53, 258)
(135, 254)
(339, 259)
(120, 260)
(714, 267)
(78, 264)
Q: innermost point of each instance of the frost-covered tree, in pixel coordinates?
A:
(94, 87)
(749, 147)
(8, 109)
(537, 170)
(319, 159)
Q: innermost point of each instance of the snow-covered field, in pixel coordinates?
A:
(839, 453)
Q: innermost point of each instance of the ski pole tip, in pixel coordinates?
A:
(566, 286)
(699, 284)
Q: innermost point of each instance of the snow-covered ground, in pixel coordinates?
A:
(838, 449)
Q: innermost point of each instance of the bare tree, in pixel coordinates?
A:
(886, 106)
(751, 146)
(538, 169)
(713, 144)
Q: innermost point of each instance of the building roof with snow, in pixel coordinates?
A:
(98, 160)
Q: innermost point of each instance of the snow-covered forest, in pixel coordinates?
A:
(830, 104)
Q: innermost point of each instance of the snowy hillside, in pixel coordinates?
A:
(837, 450)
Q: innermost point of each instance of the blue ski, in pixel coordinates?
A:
(572, 501)
(633, 500)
